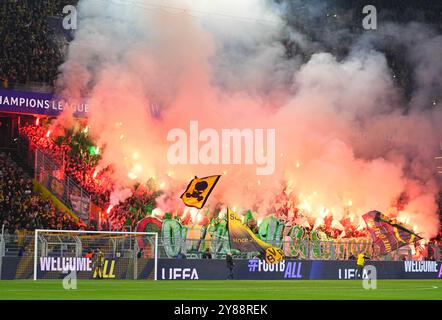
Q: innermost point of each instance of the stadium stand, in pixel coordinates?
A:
(30, 51)
(22, 208)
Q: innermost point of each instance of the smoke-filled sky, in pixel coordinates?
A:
(347, 138)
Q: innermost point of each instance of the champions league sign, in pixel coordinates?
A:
(36, 103)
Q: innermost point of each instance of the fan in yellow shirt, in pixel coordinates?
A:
(361, 263)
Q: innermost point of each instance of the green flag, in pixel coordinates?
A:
(148, 208)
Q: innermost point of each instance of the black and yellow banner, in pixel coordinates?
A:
(388, 234)
(198, 191)
(244, 240)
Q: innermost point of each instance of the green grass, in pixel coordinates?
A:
(220, 290)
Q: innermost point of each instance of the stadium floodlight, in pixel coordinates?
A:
(125, 255)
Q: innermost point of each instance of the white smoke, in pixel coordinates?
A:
(344, 133)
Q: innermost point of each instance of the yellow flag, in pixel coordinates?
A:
(244, 240)
(198, 191)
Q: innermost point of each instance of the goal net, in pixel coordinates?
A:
(95, 254)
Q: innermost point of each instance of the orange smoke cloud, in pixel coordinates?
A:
(331, 117)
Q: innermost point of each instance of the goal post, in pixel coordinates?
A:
(95, 254)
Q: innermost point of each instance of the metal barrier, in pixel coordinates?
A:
(54, 245)
(57, 245)
(52, 176)
(303, 249)
(23, 245)
(17, 245)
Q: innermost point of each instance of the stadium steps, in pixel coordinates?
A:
(21, 162)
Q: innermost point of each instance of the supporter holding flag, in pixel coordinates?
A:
(361, 263)
(388, 234)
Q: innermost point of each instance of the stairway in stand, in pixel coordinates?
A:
(21, 161)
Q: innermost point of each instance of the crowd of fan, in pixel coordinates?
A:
(79, 170)
(123, 214)
(37, 136)
(22, 208)
(29, 53)
(29, 50)
(83, 174)
(286, 210)
(133, 209)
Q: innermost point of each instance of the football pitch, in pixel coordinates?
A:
(220, 290)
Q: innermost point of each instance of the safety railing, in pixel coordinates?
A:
(52, 176)
(23, 245)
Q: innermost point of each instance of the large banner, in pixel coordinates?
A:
(244, 240)
(79, 202)
(388, 234)
(198, 191)
(296, 242)
(204, 269)
(69, 193)
(36, 103)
